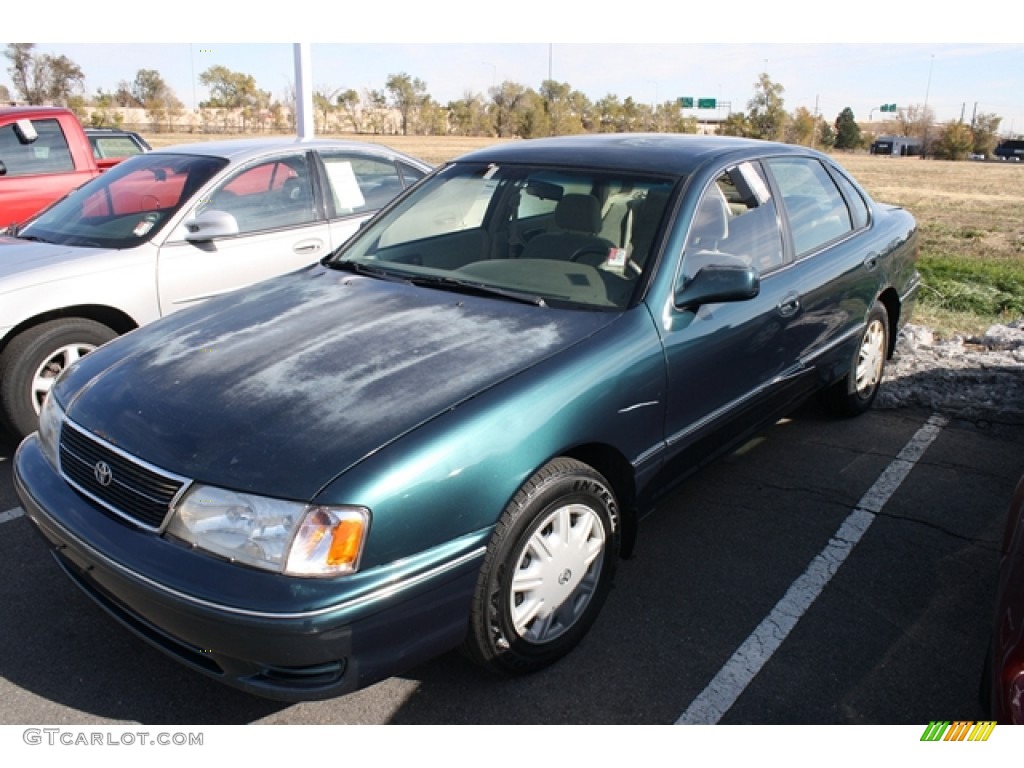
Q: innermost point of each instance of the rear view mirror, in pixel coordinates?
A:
(210, 224)
(25, 131)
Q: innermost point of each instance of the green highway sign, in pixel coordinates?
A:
(686, 102)
(707, 103)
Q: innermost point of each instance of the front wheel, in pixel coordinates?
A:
(855, 392)
(32, 361)
(547, 571)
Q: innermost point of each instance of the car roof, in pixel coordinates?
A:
(677, 154)
(239, 150)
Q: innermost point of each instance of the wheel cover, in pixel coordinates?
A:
(47, 372)
(556, 573)
(871, 359)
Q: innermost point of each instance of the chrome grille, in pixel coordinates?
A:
(134, 490)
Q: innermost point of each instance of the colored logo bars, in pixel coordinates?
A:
(961, 730)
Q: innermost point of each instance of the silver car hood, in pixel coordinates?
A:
(24, 263)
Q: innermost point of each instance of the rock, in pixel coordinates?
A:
(979, 378)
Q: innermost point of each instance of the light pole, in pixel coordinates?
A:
(924, 117)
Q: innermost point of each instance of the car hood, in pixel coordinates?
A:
(23, 262)
(278, 388)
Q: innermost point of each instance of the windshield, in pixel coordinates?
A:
(127, 205)
(555, 236)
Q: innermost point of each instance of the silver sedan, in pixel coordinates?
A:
(167, 229)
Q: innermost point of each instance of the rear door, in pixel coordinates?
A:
(359, 185)
(282, 226)
(833, 275)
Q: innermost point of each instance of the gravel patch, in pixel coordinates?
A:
(973, 377)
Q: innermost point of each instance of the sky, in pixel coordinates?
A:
(866, 58)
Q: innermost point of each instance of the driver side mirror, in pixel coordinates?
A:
(716, 283)
(210, 224)
(25, 131)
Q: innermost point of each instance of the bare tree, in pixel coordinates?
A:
(41, 78)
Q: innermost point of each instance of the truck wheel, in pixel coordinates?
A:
(32, 361)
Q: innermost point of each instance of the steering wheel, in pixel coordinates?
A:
(600, 251)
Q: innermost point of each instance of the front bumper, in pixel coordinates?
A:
(291, 639)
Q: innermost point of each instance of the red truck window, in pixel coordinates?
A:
(47, 154)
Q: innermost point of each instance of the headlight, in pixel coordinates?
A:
(283, 536)
(51, 417)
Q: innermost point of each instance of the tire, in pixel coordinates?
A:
(855, 392)
(548, 569)
(33, 359)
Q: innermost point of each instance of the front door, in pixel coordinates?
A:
(281, 227)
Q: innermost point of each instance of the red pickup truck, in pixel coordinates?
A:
(44, 154)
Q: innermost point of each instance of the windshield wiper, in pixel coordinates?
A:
(477, 289)
(362, 269)
(32, 238)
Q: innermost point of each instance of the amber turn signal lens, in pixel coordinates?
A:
(346, 539)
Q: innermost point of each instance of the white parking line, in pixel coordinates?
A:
(11, 514)
(733, 678)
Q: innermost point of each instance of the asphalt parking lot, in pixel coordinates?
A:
(896, 636)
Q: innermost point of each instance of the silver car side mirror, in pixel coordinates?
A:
(209, 225)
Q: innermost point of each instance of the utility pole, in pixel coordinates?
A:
(927, 91)
(303, 91)
(814, 133)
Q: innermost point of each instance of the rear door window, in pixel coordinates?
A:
(814, 208)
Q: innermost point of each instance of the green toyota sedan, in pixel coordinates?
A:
(444, 434)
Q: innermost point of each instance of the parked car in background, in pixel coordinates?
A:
(1003, 682)
(112, 145)
(44, 154)
(444, 434)
(168, 229)
(1010, 149)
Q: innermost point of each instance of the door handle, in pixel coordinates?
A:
(789, 305)
(311, 246)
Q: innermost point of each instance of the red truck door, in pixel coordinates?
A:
(43, 171)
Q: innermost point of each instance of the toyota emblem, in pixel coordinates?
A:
(103, 473)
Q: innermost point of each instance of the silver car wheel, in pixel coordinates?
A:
(49, 370)
(556, 573)
(871, 358)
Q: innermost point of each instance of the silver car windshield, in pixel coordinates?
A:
(127, 205)
(556, 236)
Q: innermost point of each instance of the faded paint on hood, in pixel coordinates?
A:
(279, 388)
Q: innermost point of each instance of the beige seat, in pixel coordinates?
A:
(578, 218)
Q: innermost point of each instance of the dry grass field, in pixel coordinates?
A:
(971, 216)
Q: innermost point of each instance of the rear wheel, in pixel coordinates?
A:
(547, 571)
(855, 392)
(32, 361)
